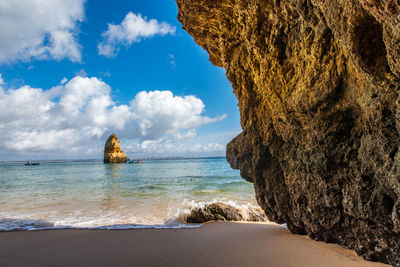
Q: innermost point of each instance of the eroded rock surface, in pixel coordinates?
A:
(113, 152)
(318, 86)
(223, 212)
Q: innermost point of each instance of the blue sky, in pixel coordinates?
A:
(72, 73)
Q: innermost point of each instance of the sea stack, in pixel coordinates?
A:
(318, 88)
(113, 152)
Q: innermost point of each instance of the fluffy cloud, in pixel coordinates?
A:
(40, 29)
(182, 136)
(31, 120)
(168, 147)
(132, 29)
(160, 112)
(77, 115)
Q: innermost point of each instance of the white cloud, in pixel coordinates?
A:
(160, 112)
(210, 147)
(132, 29)
(182, 136)
(40, 29)
(64, 80)
(81, 73)
(183, 143)
(170, 147)
(106, 73)
(76, 117)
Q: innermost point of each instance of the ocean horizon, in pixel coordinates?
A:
(101, 159)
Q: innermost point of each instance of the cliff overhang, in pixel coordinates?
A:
(318, 85)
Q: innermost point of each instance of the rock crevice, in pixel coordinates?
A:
(318, 85)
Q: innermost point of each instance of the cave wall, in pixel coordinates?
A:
(318, 85)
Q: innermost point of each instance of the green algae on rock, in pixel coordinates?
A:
(318, 85)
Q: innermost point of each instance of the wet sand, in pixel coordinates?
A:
(214, 244)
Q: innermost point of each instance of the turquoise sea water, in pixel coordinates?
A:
(157, 193)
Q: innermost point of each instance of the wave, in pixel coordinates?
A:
(181, 219)
(39, 225)
(199, 212)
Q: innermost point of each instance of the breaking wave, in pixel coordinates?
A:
(114, 221)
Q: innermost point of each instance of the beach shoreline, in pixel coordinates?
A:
(213, 244)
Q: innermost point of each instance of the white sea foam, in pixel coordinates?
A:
(113, 220)
(188, 206)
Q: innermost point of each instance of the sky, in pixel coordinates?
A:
(73, 72)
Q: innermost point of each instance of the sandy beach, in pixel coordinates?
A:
(214, 244)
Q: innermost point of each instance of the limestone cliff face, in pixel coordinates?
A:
(113, 152)
(318, 85)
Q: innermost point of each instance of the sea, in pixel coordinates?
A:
(159, 193)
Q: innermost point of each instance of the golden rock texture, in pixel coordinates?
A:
(318, 85)
(113, 152)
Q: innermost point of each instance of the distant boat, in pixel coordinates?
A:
(135, 161)
(32, 163)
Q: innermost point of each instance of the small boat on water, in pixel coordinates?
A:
(135, 161)
(32, 163)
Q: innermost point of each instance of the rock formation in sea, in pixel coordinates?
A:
(113, 152)
(318, 85)
(223, 212)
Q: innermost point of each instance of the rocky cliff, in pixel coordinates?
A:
(318, 85)
(113, 152)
